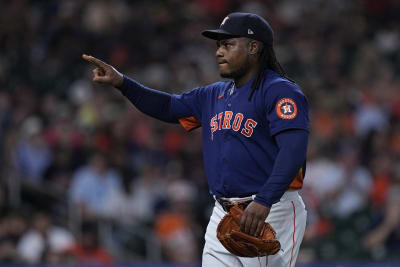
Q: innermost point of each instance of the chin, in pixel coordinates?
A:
(225, 71)
(234, 74)
(225, 74)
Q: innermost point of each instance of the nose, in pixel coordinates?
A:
(219, 52)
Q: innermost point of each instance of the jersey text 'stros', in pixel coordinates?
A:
(238, 135)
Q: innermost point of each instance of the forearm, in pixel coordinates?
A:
(154, 103)
(291, 156)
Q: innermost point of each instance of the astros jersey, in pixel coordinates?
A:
(238, 135)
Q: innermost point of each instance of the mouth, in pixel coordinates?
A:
(221, 62)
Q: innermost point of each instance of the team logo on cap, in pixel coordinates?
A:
(286, 109)
(223, 22)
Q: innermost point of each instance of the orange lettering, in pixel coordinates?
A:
(237, 122)
(248, 127)
(220, 119)
(214, 124)
(227, 120)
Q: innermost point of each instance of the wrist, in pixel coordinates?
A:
(262, 201)
(119, 80)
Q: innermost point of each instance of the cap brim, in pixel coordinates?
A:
(218, 34)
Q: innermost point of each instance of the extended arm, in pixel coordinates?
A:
(156, 104)
(151, 102)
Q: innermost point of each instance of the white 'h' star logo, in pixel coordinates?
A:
(287, 108)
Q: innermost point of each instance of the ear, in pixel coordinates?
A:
(254, 47)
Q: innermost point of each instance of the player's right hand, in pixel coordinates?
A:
(104, 73)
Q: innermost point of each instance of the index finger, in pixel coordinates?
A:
(94, 61)
(245, 220)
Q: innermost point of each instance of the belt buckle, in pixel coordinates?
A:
(224, 204)
(243, 204)
(227, 205)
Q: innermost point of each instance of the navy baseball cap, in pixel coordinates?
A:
(240, 24)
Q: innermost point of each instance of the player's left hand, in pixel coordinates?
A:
(253, 218)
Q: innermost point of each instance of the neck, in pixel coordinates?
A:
(240, 81)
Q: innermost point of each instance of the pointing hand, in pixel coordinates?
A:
(104, 73)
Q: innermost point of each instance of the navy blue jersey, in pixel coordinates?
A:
(239, 149)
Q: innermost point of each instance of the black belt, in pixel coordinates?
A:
(227, 204)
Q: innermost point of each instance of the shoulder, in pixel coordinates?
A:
(62, 236)
(30, 236)
(221, 84)
(82, 173)
(203, 92)
(275, 84)
(83, 177)
(214, 86)
(279, 91)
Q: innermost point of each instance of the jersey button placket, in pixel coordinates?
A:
(224, 155)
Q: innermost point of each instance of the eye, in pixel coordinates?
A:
(223, 43)
(229, 44)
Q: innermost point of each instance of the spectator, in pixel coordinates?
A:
(59, 173)
(92, 185)
(12, 227)
(120, 205)
(88, 249)
(175, 226)
(384, 239)
(32, 154)
(147, 190)
(353, 188)
(43, 240)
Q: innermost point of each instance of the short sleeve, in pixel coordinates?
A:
(187, 108)
(287, 107)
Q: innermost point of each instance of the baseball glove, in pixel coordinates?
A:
(244, 245)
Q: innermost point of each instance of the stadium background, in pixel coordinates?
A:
(86, 178)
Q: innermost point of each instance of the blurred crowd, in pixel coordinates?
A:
(84, 177)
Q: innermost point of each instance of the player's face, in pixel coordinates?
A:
(232, 57)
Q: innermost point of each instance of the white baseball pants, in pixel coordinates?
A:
(287, 217)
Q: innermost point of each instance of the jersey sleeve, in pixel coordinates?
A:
(187, 108)
(287, 107)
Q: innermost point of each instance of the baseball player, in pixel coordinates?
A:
(254, 133)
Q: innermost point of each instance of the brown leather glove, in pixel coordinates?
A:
(244, 245)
